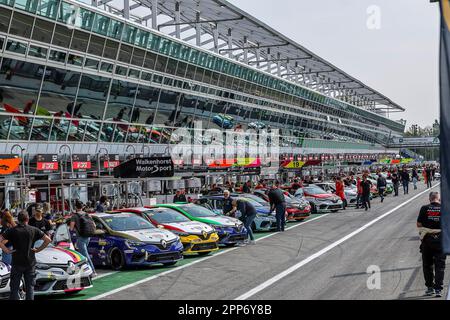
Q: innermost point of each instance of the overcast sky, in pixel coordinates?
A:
(400, 59)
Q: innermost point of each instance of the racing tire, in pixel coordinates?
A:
(116, 259)
(168, 264)
(334, 210)
(313, 208)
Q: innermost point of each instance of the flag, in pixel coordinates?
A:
(445, 122)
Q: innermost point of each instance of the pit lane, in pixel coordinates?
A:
(391, 243)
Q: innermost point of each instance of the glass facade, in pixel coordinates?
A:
(69, 73)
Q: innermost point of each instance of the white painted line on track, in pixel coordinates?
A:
(316, 255)
(104, 275)
(106, 294)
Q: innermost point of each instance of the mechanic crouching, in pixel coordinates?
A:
(248, 214)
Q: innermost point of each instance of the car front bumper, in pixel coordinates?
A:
(57, 280)
(195, 244)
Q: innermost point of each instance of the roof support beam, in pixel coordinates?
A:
(256, 47)
(126, 9)
(197, 22)
(288, 59)
(154, 9)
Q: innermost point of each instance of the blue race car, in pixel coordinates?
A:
(223, 121)
(264, 220)
(126, 239)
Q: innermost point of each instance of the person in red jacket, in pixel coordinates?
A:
(340, 190)
(360, 191)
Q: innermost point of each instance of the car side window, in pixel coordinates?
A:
(99, 225)
(219, 204)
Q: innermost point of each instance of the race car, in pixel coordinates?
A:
(264, 220)
(196, 237)
(124, 239)
(351, 195)
(5, 271)
(257, 125)
(230, 230)
(223, 121)
(59, 268)
(320, 200)
(297, 209)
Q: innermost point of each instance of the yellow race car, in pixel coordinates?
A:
(196, 237)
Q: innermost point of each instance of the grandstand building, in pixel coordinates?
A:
(109, 74)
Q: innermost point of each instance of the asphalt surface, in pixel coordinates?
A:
(391, 244)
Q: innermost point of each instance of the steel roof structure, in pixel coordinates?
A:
(223, 28)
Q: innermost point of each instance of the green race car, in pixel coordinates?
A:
(230, 230)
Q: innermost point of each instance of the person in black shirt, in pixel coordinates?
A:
(228, 209)
(295, 186)
(405, 180)
(431, 247)
(247, 187)
(381, 185)
(365, 186)
(179, 197)
(248, 214)
(429, 177)
(38, 221)
(278, 203)
(22, 237)
(395, 182)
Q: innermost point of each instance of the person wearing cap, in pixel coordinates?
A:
(38, 220)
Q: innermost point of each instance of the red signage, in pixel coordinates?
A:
(111, 161)
(81, 162)
(47, 166)
(110, 164)
(47, 162)
(82, 165)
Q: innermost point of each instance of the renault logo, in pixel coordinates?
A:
(205, 234)
(71, 268)
(164, 244)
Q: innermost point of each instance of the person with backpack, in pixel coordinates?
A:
(84, 227)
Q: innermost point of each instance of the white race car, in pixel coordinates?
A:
(4, 280)
(5, 271)
(59, 268)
